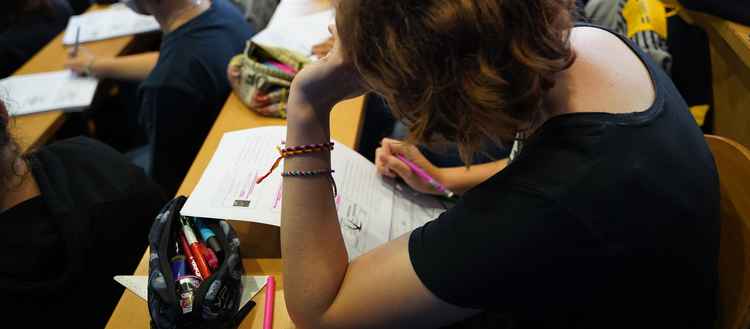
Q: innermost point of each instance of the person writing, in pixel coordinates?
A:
(187, 87)
(605, 217)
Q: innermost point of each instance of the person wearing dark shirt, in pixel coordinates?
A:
(605, 217)
(183, 94)
(74, 214)
(26, 27)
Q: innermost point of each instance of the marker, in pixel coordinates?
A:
(209, 237)
(189, 256)
(178, 267)
(270, 294)
(77, 43)
(195, 249)
(425, 176)
(209, 256)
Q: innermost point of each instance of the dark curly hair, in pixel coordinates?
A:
(10, 152)
(464, 71)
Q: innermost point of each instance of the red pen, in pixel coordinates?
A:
(189, 256)
(195, 249)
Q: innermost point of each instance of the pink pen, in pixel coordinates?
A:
(425, 176)
(270, 294)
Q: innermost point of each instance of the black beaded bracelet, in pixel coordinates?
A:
(307, 173)
(311, 173)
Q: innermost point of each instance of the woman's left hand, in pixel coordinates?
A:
(322, 84)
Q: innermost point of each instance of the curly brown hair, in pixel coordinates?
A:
(464, 71)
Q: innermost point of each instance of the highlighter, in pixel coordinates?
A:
(195, 249)
(209, 256)
(189, 257)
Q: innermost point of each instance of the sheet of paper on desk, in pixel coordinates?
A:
(115, 21)
(42, 92)
(138, 284)
(366, 203)
(299, 34)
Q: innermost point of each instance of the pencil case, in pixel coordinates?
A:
(265, 75)
(186, 290)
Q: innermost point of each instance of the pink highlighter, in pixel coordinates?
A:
(425, 176)
(270, 294)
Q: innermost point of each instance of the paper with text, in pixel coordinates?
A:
(42, 92)
(366, 203)
(115, 21)
(299, 34)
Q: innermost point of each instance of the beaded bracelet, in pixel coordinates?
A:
(311, 173)
(293, 151)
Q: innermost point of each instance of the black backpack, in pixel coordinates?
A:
(208, 302)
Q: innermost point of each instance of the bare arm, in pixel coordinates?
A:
(132, 67)
(323, 290)
(457, 179)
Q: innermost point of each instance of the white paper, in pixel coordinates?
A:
(112, 22)
(366, 203)
(138, 284)
(296, 32)
(41, 92)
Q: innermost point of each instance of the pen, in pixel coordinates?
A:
(425, 176)
(209, 237)
(270, 294)
(189, 257)
(78, 42)
(195, 249)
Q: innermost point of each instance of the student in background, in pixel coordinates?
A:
(26, 26)
(74, 214)
(188, 86)
(606, 216)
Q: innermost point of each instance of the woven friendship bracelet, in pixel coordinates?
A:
(311, 173)
(293, 151)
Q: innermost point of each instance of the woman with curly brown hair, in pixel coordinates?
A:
(605, 217)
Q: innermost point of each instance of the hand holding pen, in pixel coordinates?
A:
(395, 158)
(80, 60)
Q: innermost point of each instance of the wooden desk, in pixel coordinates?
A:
(31, 131)
(730, 63)
(346, 120)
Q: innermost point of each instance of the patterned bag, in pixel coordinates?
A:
(265, 75)
(643, 21)
(189, 300)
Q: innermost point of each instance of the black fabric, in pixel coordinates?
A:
(602, 221)
(184, 93)
(22, 36)
(90, 223)
(733, 10)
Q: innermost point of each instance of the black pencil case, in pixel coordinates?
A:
(191, 301)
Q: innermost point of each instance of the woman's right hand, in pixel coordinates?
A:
(82, 63)
(389, 165)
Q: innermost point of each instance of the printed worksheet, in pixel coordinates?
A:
(371, 210)
(299, 34)
(42, 92)
(115, 21)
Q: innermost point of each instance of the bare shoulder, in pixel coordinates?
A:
(607, 75)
